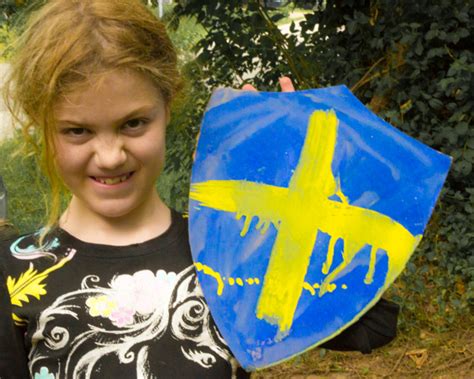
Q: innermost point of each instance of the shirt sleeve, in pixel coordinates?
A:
(376, 328)
(13, 361)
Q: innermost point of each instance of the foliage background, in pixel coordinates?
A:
(410, 62)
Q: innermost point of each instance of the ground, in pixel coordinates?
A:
(421, 355)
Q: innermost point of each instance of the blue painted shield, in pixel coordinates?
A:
(304, 207)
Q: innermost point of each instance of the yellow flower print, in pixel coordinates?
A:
(31, 284)
(101, 306)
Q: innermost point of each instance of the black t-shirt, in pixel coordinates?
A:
(71, 309)
(95, 311)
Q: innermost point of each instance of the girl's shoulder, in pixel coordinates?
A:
(29, 243)
(23, 255)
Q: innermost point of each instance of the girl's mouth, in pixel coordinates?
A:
(113, 180)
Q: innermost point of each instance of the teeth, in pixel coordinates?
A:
(112, 181)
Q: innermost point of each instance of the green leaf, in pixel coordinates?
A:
(470, 143)
(431, 34)
(463, 167)
(461, 128)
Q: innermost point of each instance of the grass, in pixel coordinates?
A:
(25, 186)
(415, 355)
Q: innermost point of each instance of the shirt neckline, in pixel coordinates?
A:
(162, 241)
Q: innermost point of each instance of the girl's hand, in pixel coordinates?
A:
(285, 83)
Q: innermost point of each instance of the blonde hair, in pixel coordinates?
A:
(71, 43)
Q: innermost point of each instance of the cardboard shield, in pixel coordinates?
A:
(304, 207)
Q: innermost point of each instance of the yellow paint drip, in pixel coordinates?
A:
(339, 193)
(245, 229)
(209, 271)
(309, 288)
(298, 213)
(233, 196)
(262, 225)
(369, 277)
(330, 256)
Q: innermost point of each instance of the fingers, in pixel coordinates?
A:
(286, 84)
(248, 87)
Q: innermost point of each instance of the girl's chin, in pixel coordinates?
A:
(129, 206)
(118, 212)
(112, 210)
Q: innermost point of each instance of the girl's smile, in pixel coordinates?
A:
(112, 180)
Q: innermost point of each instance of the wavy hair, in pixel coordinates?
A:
(70, 44)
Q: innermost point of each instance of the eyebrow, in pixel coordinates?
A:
(130, 115)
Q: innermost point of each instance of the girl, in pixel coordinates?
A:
(110, 291)
(107, 289)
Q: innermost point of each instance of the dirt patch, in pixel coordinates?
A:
(422, 355)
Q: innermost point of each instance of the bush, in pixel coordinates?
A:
(413, 64)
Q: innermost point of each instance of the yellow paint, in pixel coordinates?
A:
(369, 277)
(298, 213)
(329, 256)
(209, 271)
(309, 288)
(327, 287)
(339, 193)
(331, 287)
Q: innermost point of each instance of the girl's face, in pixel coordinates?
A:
(110, 143)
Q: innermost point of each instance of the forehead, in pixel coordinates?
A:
(112, 91)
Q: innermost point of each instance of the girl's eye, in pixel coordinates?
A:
(76, 132)
(135, 123)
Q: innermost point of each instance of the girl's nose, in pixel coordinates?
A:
(110, 153)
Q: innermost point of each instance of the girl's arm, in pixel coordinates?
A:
(376, 328)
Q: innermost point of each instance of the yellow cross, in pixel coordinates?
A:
(298, 213)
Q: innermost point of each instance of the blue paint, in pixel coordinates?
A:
(258, 137)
